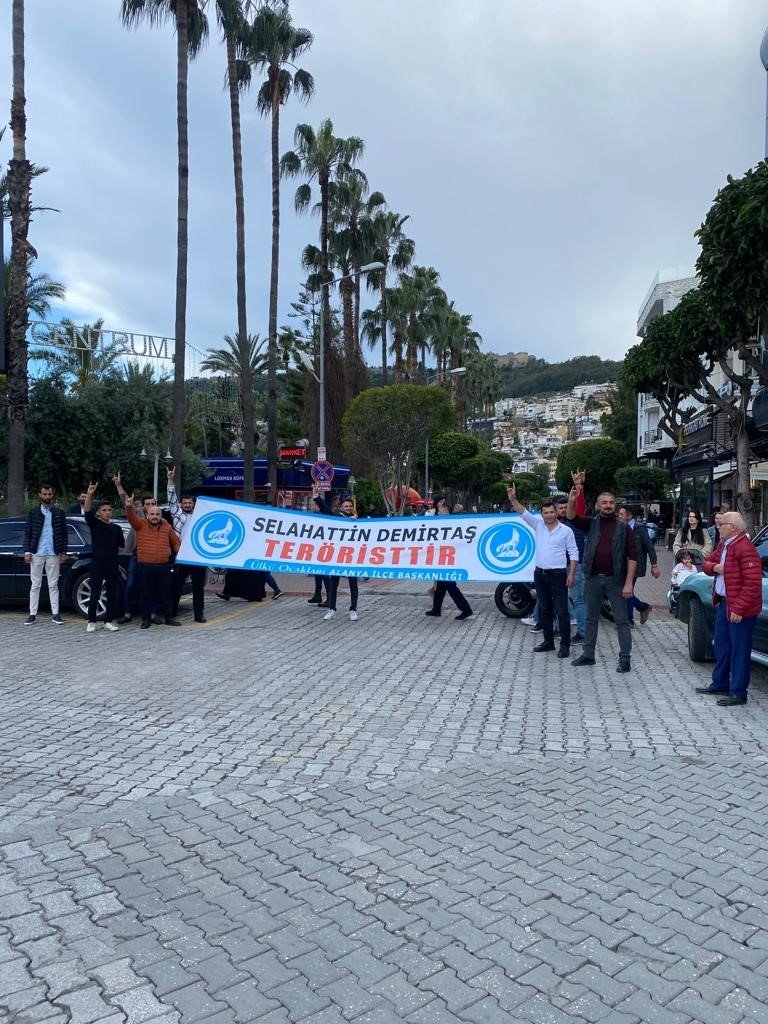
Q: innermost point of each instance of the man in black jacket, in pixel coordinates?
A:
(107, 539)
(610, 561)
(645, 552)
(45, 548)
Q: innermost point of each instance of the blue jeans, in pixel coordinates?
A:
(576, 594)
(733, 648)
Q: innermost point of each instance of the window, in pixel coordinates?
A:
(11, 535)
(78, 536)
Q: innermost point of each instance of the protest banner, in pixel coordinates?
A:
(235, 535)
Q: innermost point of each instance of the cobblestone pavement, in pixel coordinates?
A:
(273, 818)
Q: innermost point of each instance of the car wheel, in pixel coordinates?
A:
(699, 635)
(81, 595)
(514, 600)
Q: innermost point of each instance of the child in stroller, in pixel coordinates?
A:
(687, 563)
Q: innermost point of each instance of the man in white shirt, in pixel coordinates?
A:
(557, 559)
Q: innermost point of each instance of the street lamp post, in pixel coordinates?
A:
(367, 269)
(167, 459)
(438, 378)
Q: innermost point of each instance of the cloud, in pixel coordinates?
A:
(552, 156)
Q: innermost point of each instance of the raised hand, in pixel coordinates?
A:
(512, 491)
(92, 489)
(117, 480)
(171, 474)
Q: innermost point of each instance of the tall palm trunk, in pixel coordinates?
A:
(182, 237)
(384, 371)
(243, 344)
(350, 353)
(18, 183)
(273, 291)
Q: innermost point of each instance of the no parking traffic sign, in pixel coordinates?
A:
(322, 474)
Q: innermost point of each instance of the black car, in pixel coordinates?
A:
(74, 586)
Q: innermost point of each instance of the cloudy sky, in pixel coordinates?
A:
(552, 156)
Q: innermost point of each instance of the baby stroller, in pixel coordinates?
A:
(697, 558)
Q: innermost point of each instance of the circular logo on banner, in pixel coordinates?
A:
(217, 534)
(505, 548)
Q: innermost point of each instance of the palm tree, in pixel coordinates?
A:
(272, 43)
(227, 360)
(352, 207)
(191, 31)
(388, 245)
(320, 156)
(78, 352)
(231, 19)
(41, 291)
(18, 184)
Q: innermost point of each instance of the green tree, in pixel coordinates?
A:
(620, 423)
(598, 457)
(647, 481)
(448, 454)
(191, 30)
(530, 488)
(227, 360)
(368, 497)
(389, 245)
(319, 157)
(385, 428)
(274, 44)
(78, 354)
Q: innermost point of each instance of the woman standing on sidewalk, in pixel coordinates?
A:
(443, 587)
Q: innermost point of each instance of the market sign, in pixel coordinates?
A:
(697, 424)
(284, 454)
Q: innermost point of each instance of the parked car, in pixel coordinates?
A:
(694, 607)
(74, 583)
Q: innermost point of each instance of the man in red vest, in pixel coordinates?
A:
(737, 594)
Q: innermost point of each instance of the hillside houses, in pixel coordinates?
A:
(533, 429)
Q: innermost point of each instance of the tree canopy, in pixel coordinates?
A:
(600, 459)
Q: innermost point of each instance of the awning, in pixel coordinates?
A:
(722, 471)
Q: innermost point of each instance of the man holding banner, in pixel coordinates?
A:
(557, 559)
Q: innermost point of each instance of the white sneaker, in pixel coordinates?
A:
(91, 627)
(330, 614)
(529, 621)
(111, 627)
(353, 616)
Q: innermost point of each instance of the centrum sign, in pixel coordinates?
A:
(235, 535)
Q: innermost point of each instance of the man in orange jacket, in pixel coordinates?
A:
(156, 544)
(737, 594)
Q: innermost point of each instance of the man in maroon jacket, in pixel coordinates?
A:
(738, 598)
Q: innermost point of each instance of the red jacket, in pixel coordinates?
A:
(743, 576)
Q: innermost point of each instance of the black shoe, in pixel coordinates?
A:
(433, 612)
(200, 618)
(322, 604)
(172, 622)
(145, 623)
(623, 666)
(730, 701)
(582, 660)
(30, 620)
(463, 615)
(312, 600)
(577, 638)
(564, 652)
(543, 647)
(711, 690)
(157, 620)
(537, 629)
(224, 597)
(277, 593)
(123, 619)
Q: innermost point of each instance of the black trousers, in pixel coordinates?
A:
(103, 571)
(552, 592)
(197, 574)
(319, 581)
(333, 590)
(443, 587)
(155, 590)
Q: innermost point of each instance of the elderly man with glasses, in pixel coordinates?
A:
(737, 594)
